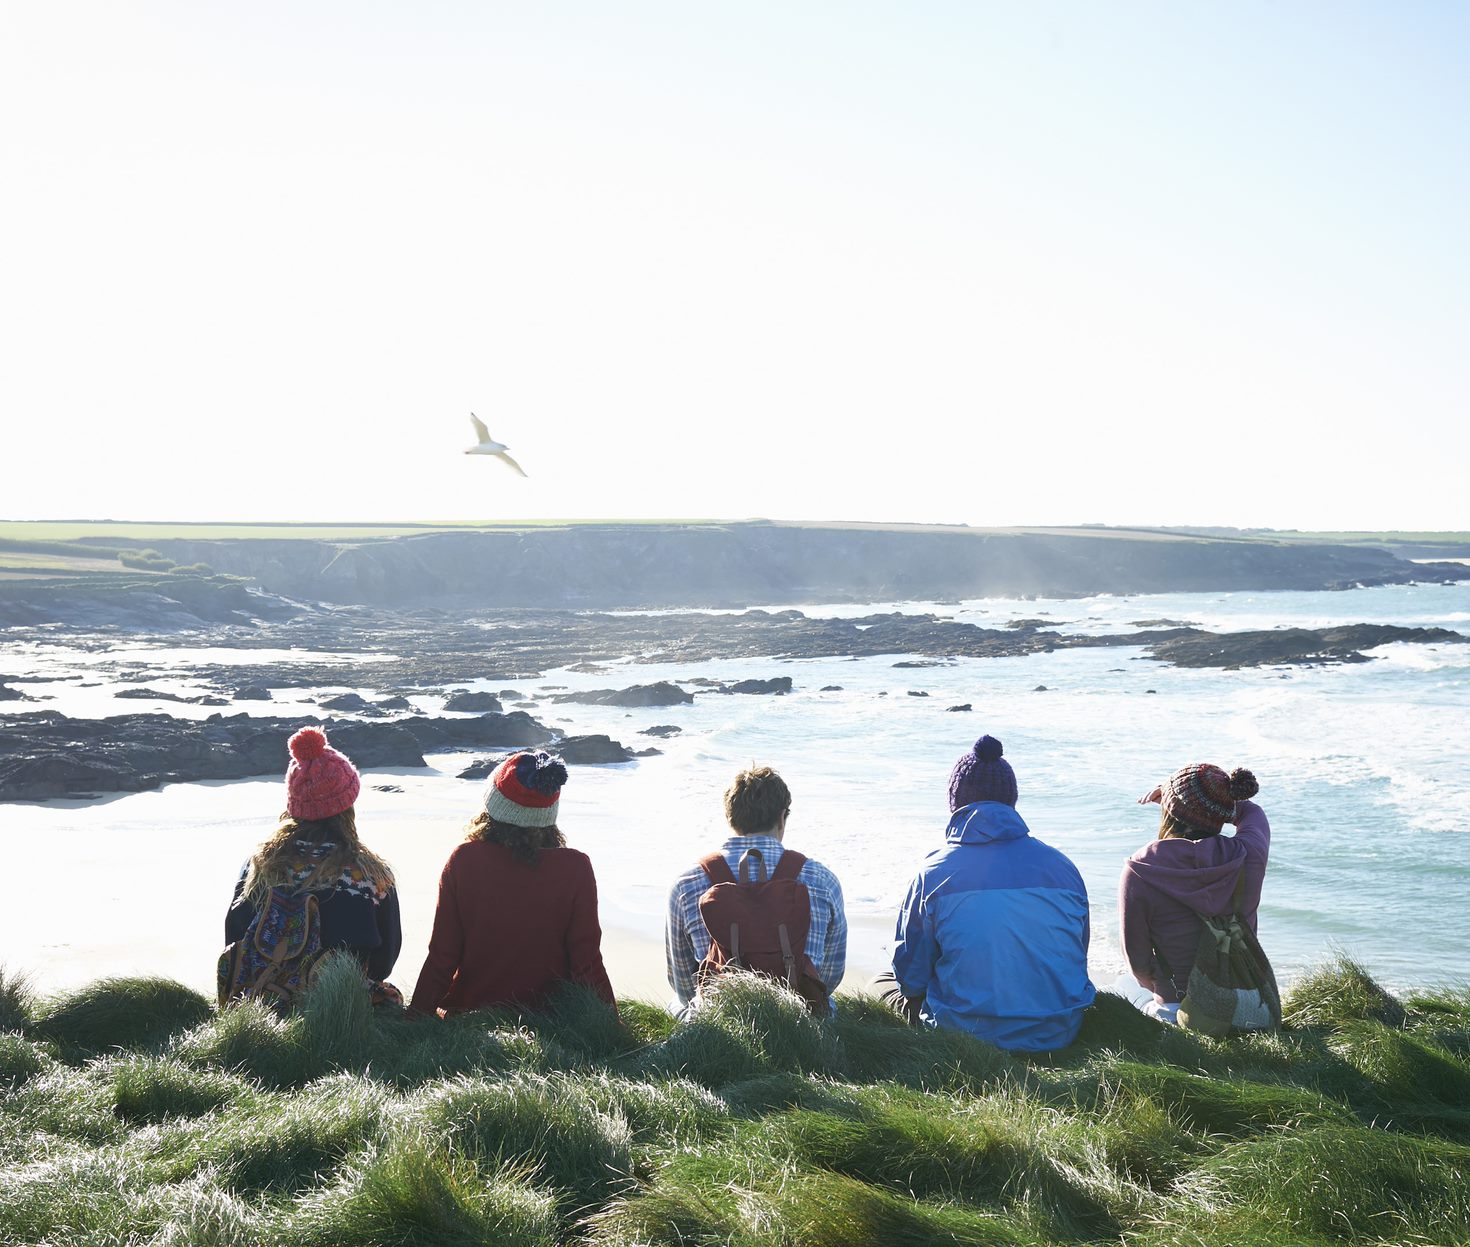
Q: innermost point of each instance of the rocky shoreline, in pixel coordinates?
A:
(384, 657)
(47, 755)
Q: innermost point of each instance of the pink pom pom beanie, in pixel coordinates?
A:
(320, 782)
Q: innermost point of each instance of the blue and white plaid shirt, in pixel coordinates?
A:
(686, 941)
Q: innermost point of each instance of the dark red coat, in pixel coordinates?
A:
(506, 932)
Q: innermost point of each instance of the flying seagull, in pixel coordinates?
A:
(489, 446)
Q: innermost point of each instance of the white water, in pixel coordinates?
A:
(1363, 772)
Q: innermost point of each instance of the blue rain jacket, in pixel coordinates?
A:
(993, 933)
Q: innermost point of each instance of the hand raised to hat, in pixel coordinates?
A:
(1156, 797)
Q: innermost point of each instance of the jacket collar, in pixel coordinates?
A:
(984, 822)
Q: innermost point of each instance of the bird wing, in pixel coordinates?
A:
(480, 430)
(512, 462)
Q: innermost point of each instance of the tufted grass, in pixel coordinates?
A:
(132, 1114)
(337, 1020)
(416, 1192)
(20, 1061)
(120, 1013)
(547, 1125)
(249, 1040)
(17, 1001)
(1337, 993)
(152, 1090)
(278, 1142)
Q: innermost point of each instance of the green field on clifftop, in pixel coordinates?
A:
(109, 530)
(131, 1112)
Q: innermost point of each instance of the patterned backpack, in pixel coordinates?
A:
(275, 961)
(760, 924)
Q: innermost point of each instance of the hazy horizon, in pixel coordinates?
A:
(1004, 266)
(371, 526)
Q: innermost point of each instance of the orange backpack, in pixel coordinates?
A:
(760, 924)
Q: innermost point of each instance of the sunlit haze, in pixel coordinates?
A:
(1135, 263)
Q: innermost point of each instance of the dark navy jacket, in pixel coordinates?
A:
(350, 919)
(993, 934)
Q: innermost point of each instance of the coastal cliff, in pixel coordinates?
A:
(625, 565)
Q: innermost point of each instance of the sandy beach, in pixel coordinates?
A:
(144, 892)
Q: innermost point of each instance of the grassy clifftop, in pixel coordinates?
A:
(703, 564)
(130, 1112)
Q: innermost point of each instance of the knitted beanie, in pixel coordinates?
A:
(982, 775)
(320, 781)
(525, 789)
(1204, 796)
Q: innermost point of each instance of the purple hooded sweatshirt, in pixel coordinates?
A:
(1169, 885)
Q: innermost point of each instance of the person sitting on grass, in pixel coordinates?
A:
(777, 893)
(517, 911)
(992, 937)
(1189, 873)
(315, 852)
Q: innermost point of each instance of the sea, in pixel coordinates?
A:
(1364, 770)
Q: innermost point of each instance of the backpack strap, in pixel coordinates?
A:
(716, 868)
(752, 867)
(790, 865)
(788, 955)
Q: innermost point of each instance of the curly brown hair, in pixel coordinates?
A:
(525, 843)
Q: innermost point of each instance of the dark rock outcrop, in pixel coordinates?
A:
(596, 750)
(479, 703)
(661, 730)
(253, 692)
(481, 768)
(153, 694)
(48, 755)
(347, 703)
(515, 730)
(958, 709)
(573, 750)
(777, 685)
(1290, 645)
(660, 694)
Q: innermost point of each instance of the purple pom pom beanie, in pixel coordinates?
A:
(982, 775)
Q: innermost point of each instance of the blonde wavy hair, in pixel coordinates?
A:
(272, 863)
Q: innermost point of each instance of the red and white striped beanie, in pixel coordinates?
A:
(525, 789)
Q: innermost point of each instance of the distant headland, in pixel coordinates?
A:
(690, 563)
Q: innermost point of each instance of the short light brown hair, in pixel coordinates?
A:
(755, 800)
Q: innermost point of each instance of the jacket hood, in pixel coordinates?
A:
(1198, 873)
(983, 822)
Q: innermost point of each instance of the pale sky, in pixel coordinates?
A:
(985, 263)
